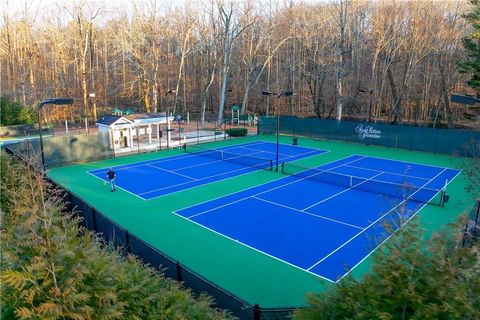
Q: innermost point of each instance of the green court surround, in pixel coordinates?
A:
(248, 274)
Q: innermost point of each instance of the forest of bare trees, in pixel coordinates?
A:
(389, 60)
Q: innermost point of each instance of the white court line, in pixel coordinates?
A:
(274, 153)
(254, 249)
(225, 160)
(215, 161)
(117, 187)
(316, 153)
(311, 150)
(407, 162)
(253, 187)
(393, 174)
(166, 159)
(343, 191)
(259, 193)
(179, 184)
(211, 176)
(380, 244)
(170, 158)
(307, 213)
(226, 172)
(183, 156)
(231, 177)
(173, 172)
(366, 228)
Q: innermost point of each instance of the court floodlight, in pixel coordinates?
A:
(464, 99)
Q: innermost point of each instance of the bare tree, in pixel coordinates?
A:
(341, 9)
(208, 48)
(258, 53)
(232, 27)
(402, 53)
(84, 15)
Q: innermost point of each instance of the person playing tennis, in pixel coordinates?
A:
(111, 175)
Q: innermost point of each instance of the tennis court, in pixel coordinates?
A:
(239, 231)
(200, 166)
(327, 219)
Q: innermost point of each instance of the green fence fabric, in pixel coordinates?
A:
(446, 141)
(63, 150)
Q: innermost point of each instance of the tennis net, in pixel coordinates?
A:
(403, 191)
(245, 160)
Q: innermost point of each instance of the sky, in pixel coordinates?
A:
(16, 6)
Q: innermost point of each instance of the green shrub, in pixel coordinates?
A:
(53, 269)
(236, 132)
(12, 113)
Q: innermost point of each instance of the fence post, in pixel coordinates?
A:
(179, 272)
(256, 312)
(127, 241)
(138, 140)
(94, 218)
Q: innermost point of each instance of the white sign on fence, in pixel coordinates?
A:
(367, 132)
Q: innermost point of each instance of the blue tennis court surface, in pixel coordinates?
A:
(325, 220)
(151, 179)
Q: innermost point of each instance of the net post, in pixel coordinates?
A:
(271, 165)
(283, 167)
(442, 198)
(443, 194)
(256, 312)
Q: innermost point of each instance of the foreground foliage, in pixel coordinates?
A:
(53, 269)
(410, 279)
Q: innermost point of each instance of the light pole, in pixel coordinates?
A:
(57, 101)
(464, 99)
(92, 95)
(285, 94)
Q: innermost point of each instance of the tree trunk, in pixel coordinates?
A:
(395, 98)
(446, 100)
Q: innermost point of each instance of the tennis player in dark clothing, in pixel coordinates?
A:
(111, 178)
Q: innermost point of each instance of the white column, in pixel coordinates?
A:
(130, 136)
(149, 133)
(168, 131)
(112, 137)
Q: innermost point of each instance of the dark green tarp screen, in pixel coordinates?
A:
(447, 141)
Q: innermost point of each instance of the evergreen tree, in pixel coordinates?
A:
(409, 280)
(472, 47)
(53, 269)
(12, 113)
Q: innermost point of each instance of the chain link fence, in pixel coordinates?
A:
(455, 142)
